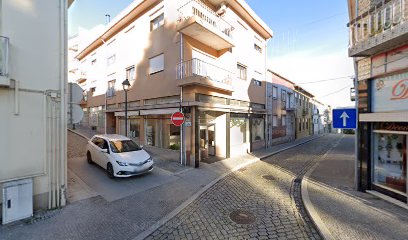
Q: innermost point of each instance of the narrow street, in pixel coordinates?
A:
(266, 194)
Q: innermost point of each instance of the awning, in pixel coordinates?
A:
(130, 113)
(159, 111)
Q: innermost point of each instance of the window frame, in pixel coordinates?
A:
(242, 69)
(159, 69)
(274, 121)
(111, 92)
(274, 92)
(160, 19)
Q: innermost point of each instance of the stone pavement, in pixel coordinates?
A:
(96, 218)
(266, 194)
(345, 213)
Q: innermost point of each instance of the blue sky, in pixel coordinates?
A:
(310, 39)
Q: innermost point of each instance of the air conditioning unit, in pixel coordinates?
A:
(17, 200)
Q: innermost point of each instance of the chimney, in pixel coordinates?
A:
(107, 17)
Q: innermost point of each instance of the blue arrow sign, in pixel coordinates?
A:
(345, 118)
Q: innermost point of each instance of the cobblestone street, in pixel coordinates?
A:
(267, 192)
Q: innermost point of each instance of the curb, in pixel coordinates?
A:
(79, 134)
(176, 211)
(310, 209)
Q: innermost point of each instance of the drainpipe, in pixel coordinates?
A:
(357, 138)
(181, 101)
(63, 112)
(266, 128)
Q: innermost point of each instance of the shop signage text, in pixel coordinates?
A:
(400, 127)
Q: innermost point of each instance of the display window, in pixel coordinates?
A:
(390, 160)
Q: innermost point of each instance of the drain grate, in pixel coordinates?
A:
(242, 217)
(269, 177)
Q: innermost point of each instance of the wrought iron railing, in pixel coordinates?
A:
(378, 19)
(197, 67)
(4, 53)
(199, 9)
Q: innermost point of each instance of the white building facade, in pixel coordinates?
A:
(33, 98)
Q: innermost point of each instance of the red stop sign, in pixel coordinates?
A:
(177, 118)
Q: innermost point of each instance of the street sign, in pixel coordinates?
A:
(77, 114)
(177, 118)
(345, 118)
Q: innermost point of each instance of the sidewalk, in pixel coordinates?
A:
(339, 211)
(135, 215)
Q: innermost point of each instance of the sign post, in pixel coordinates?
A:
(345, 118)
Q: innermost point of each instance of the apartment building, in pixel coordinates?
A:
(304, 113)
(379, 46)
(282, 108)
(320, 120)
(33, 106)
(205, 58)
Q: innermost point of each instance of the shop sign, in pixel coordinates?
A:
(392, 126)
(390, 94)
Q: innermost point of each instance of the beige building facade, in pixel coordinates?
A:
(207, 59)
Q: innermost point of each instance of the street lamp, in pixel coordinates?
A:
(126, 86)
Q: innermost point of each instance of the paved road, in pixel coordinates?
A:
(267, 194)
(346, 213)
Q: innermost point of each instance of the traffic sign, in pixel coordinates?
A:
(177, 118)
(345, 118)
(77, 114)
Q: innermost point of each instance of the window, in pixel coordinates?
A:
(300, 125)
(275, 92)
(156, 64)
(257, 48)
(258, 129)
(93, 62)
(241, 71)
(283, 120)
(257, 83)
(274, 120)
(111, 60)
(157, 22)
(283, 95)
(111, 89)
(130, 73)
(92, 90)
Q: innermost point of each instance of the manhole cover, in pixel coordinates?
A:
(269, 177)
(242, 217)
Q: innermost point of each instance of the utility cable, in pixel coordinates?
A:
(337, 91)
(326, 80)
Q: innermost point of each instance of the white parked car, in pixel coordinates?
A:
(119, 155)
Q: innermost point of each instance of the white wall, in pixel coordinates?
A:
(37, 62)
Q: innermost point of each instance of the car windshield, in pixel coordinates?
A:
(121, 146)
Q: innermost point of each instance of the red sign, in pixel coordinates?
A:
(177, 118)
(400, 90)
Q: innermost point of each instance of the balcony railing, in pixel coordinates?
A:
(197, 67)
(4, 49)
(379, 25)
(199, 9)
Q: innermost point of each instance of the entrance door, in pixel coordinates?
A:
(211, 140)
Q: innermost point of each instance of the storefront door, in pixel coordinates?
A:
(211, 140)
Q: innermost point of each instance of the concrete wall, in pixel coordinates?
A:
(37, 44)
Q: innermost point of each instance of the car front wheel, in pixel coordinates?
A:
(89, 157)
(109, 170)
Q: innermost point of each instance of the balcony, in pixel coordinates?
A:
(198, 72)
(305, 112)
(81, 78)
(4, 61)
(382, 27)
(200, 22)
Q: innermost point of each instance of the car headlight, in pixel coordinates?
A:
(150, 159)
(123, 164)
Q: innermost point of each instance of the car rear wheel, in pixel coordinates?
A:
(109, 170)
(89, 157)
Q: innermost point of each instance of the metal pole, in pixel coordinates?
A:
(126, 114)
(181, 101)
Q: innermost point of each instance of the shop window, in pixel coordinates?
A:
(156, 64)
(258, 129)
(390, 161)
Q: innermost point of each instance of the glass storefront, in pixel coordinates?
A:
(160, 132)
(258, 129)
(133, 128)
(390, 160)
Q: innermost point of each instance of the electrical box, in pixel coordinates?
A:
(17, 200)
